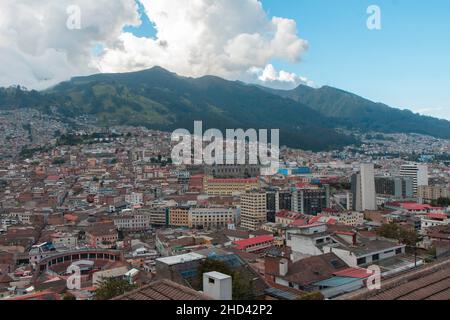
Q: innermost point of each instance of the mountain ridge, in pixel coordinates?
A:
(159, 99)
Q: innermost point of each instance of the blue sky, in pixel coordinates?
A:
(405, 64)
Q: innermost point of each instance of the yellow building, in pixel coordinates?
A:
(253, 210)
(433, 192)
(179, 217)
(211, 218)
(228, 187)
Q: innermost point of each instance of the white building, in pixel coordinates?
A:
(363, 188)
(418, 173)
(307, 241)
(134, 199)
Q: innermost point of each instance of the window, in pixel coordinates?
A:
(375, 257)
(211, 281)
(361, 261)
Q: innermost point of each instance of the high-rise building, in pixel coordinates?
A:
(272, 204)
(310, 200)
(253, 209)
(285, 200)
(418, 173)
(363, 188)
(399, 187)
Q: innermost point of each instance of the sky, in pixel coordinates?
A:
(279, 44)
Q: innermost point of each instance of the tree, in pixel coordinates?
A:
(112, 287)
(242, 289)
(394, 231)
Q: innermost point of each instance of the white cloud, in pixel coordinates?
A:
(219, 37)
(36, 47)
(226, 38)
(269, 76)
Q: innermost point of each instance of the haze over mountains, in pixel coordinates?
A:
(158, 99)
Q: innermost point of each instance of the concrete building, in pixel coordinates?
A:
(433, 192)
(228, 187)
(310, 200)
(179, 217)
(399, 187)
(253, 210)
(211, 218)
(363, 188)
(417, 172)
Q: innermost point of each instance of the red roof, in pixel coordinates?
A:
(299, 222)
(354, 273)
(243, 244)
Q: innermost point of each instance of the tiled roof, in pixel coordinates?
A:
(242, 244)
(432, 286)
(163, 290)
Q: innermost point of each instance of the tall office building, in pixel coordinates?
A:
(363, 188)
(253, 209)
(310, 200)
(272, 204)
(418, 173)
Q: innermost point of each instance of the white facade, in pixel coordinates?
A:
(364, 188)
(134, 198)
(217, 286)
(418, 173)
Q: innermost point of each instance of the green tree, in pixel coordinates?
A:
(112, 287)
(242, 289)
(395, 231)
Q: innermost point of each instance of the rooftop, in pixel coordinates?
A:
(163, 290)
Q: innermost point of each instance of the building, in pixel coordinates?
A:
(308, 240)
(272, 202)
(430, 193)
(363, 188)
(418, 173)
(286, 218)
(102, 236)
(284, 200)
(399, 187)
(253, 210)
(211, 218)
(132, 222)
(179, 217)
(233, 171)
(310, 200)
(365, 251)
(163, 290)
(255, 244)
(228, 187)
(64, 240)
(134, 199)
(157, 216)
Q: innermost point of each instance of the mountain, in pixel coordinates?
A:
(159, 99)
(354, 112)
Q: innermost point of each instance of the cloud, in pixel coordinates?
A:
(37, 48)
(279, 79)
(227, 38)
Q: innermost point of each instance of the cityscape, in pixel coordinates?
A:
(95, 206)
